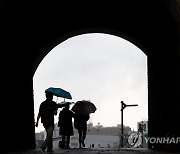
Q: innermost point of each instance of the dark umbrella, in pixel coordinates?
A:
(59, 92)
(84, 107)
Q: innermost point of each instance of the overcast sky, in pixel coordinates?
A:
(102, 68)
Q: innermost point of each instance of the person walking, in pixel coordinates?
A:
(80, 123)
(65, 126)
(47, 111)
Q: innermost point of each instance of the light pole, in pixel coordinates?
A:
(142, 129)
(123, 106)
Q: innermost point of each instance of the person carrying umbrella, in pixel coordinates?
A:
(80, 123)
(82, 110)
(47, 110)
(65, 126)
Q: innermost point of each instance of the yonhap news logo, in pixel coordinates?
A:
(135, 140)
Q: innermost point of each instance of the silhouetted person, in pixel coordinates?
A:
(92, 145)
(80, 123)
(66, 126)
(47, 110)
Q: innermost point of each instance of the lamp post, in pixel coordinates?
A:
(142, 129)
(123, 106)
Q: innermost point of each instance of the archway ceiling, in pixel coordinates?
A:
(47, 23)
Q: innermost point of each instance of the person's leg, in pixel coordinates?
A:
(63, 141)
(48, 141)
(83, 136)
(45, 142)
(80, 138)
(67, 142)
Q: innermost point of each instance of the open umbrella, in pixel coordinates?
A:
(84, 107)
(59, 92)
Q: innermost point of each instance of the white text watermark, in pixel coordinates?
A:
(136, 139)
(162, 140)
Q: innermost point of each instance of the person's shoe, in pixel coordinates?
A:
(41, 151)
(80, 147)
(83, 144)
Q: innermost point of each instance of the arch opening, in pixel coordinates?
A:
(99, 67)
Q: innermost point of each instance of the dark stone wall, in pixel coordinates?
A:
(30, 29)
(163, 92)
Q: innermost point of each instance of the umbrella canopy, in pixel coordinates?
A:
(84, 107)
(59, 92)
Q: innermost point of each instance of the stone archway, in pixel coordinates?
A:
(30, 30)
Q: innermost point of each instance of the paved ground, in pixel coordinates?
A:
(95, 151)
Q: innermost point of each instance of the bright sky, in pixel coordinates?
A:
(102, 68)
